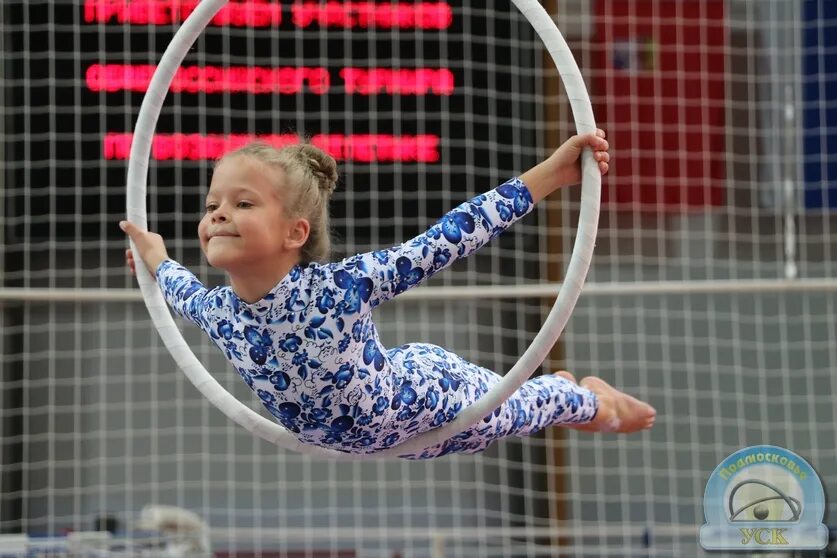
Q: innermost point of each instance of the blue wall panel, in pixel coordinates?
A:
(820, 103)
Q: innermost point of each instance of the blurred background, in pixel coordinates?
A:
(710, 295)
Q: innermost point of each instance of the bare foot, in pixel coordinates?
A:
(618, 412)
(567, 375)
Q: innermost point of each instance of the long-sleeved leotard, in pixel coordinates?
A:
(311, 352)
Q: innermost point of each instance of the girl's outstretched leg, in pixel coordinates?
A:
(618, 412)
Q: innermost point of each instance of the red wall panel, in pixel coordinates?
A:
(659, 89)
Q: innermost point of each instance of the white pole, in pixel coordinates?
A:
(544, 290)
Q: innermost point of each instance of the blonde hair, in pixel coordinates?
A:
(312, 177)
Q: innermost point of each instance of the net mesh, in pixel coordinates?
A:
(721, 119)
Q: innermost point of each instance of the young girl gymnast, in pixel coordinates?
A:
(300, 332)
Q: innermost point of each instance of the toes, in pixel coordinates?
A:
(649, 411)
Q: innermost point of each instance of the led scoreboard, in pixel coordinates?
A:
(420, 102)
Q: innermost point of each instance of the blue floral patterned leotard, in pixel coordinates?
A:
(311, 352)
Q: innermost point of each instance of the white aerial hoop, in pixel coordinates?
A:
(552, 328)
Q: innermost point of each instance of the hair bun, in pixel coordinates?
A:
(322, 165)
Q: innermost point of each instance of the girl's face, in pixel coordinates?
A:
(244, 227)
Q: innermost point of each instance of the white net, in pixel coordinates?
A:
(710, 294)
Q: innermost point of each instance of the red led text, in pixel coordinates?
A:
(248, 13)
(375, 81)
(211, 79)
(347, 15)
(287, 80)
(264, 13)
(363, 148)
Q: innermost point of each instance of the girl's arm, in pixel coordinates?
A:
(182, 290)
(372, 278)
(150, 245)
(563, 168)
